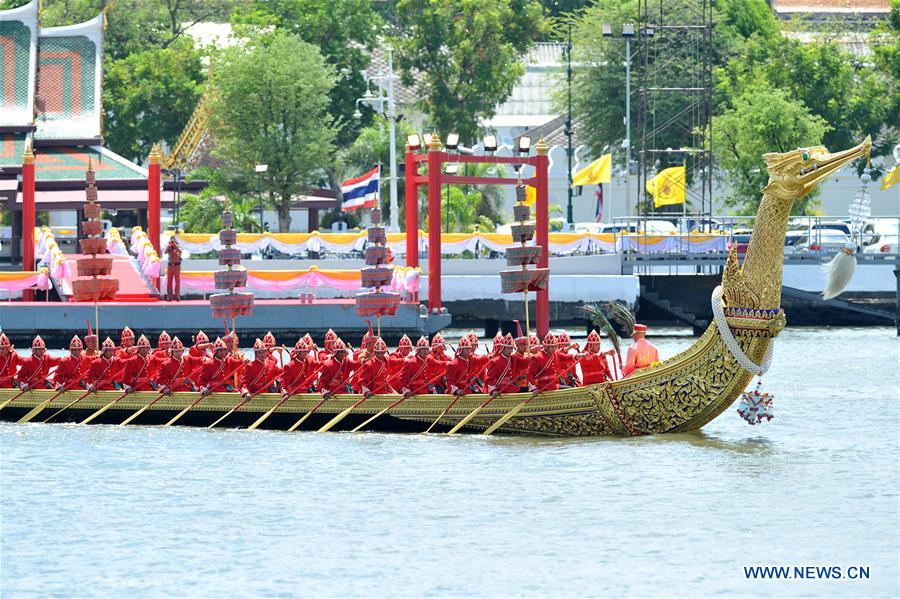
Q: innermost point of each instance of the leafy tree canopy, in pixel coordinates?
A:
(466, 56)
(269, 106)
(344, 31)
(149, 96)
(760, 121)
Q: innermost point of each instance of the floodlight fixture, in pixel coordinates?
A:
(490, 143)
(606, 29)
(451, 168)
(427, 139)
(261, 168)
(524, 144)
(413, 141)
(452, 141)
(628, 30)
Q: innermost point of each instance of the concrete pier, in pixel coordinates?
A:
(56, 322)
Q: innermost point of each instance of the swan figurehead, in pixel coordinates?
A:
(794, 174)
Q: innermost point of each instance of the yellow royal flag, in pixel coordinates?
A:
(530, 195)
(599, 171)
(668, 186)
(892, 178)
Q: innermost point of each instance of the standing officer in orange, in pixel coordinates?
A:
(642, 353)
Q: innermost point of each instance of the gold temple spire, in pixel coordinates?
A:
(28, 155)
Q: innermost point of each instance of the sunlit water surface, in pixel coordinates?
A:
(126, 512)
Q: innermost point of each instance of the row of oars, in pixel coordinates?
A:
(328, 426)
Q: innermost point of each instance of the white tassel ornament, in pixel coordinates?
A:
(839, 270)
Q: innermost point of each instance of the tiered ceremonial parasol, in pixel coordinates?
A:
(376, 275)
(523, 279)
(233, 303)
(91, 264)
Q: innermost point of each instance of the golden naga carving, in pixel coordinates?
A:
(679, 394)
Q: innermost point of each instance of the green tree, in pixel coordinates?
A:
(601, 74)
(269, 106)
(466, 55)
(853, 98)
(762, 121)
(203, 213)
(343, 31)
(149, 96)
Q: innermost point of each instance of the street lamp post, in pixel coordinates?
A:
(627, 34)
(387, 105)
(260, 169)
(569, 151)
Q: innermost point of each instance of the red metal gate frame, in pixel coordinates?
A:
(435, 157)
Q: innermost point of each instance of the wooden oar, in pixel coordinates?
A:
(40, 407)
(14, 398)
(238, 406)
(455, 399)
(331, 423)
(271, 410)
(159, 397)
(506, 417)
(396, 403)
(475, 412)
(307, 415)
(106, 407)
(178, 416)
(67, 406)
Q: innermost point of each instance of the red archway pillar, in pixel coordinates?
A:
(435, 157)
(412, 210)
(153, 203)
(28, 213)
(542, 223)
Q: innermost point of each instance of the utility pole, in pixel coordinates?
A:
(389, 107)
(627, 144)
(569, 151)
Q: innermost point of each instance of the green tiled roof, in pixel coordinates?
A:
(12, 147)
(68, 163)
(66, 100)
(15, 51)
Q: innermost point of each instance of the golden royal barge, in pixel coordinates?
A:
(679, 394)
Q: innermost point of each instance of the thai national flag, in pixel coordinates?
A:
(362, 191)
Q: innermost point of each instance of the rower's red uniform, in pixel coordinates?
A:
(9, 362)
(101, 372)
(163, 345)
(437, 362)
(70, 369)
(139, 368)
(123, 352)
(269, 342)
(594, 367)
(500, 374)
(260, 374)
(335, 373)
(462, 369)
(395, 359)
(372, 376)
(413, 379)
(565, 361)
(36, 367)
(323, 355)
(216, 372)
(298, 375)
(173, 372)
(543, 370)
